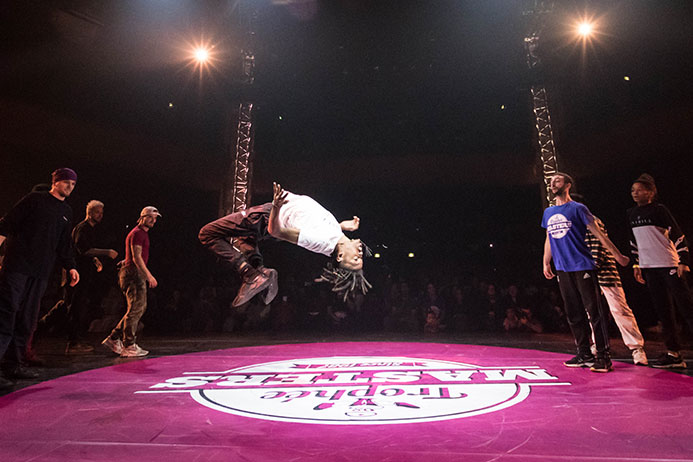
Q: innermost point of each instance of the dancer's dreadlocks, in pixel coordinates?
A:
(345, 282)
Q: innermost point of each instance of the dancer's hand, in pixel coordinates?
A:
(280, 195)
(350, 225)
(74, 277)
(151, 280)
(682, 269)
(637, 274)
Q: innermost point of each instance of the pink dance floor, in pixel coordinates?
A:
(352, 402)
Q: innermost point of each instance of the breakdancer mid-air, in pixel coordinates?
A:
(293, 218)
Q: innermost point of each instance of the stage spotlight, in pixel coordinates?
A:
(585, 29)
(626, 78)
(170, 104)
(376, 255)
(201, 54)
(411, 255)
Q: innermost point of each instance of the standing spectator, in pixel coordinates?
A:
(134, 276)
(660, 254)
(37, 230)
(566, 224)
(86, 238)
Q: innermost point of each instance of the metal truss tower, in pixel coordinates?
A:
(235, 194)
(537, 11)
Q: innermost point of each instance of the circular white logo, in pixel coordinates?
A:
(558, 226)
(360, 389)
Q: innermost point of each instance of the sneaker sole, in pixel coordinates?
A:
(670, 366)
(579, 365)
(601, 370)
(273, 287)
(249, 296)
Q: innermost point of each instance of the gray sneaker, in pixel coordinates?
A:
(116, 346)
(251, 288)
(133, 351)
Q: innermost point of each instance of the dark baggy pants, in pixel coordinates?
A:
(20, 300)
(234, 238)
(583, 306)
(82, 300)
(665, 287)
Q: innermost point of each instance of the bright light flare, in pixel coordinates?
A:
(585, 28)
(201, 54)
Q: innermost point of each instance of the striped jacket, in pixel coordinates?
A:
(607, 273)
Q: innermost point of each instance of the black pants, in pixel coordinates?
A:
(82, 300)
(583, 307)
(20, 299)
(234, 238)
(666, 287)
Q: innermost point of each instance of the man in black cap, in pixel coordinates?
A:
(36, 231)
(660, 255)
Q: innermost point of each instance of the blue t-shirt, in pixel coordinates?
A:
(566, 225)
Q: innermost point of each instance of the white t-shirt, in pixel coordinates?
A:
(318, 229)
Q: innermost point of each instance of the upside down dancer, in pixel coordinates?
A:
(296, 219)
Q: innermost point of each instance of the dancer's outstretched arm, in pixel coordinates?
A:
(606, 242)
(274, 227)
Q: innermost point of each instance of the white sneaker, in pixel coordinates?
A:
(133, 351)
(639, 357)
(116, 346)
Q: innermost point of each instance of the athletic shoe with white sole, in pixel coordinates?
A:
(669, 361)
(133, 351)
(602, 364)
(580, 360)
(116, 346)
(639, 357)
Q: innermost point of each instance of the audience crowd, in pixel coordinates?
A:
(396, 305)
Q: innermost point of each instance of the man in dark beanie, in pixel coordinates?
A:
(36, 231)
(661, 259)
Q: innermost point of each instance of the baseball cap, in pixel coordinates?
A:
(149, 210)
